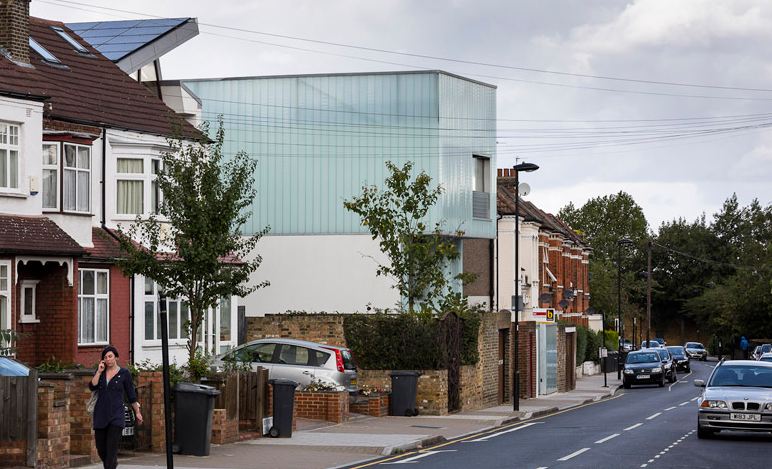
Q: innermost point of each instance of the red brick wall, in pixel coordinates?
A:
(224, 430)
(526, 358)
(120, 322)
(331, 406)
(55, 336)
(53, 428)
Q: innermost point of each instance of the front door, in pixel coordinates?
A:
(548, 358)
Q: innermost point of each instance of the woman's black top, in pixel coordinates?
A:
(109, 407)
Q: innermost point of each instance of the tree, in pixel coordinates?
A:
(194, 248)
(394, 215)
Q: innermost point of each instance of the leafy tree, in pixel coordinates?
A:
(194, 248)
(418, 257)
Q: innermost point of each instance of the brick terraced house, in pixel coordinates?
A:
(80, 144)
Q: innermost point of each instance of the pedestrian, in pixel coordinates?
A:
(112, 383)
(744, 347)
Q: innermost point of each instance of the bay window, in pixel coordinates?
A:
(9, 156)
(93, 306)
(137, 185)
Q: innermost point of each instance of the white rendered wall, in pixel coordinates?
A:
(319, 273)
(528, 260)
(28, 115)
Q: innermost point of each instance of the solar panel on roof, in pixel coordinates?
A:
(117, 39)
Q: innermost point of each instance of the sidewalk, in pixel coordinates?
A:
(317, 445)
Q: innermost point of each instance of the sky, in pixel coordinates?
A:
(666, 100)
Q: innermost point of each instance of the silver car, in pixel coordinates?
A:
(737, 396)
(297, 360)
(696, 350)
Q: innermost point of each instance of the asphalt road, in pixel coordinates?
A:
(643, 427)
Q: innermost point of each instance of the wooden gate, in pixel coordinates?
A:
(19, 414)
(253, 402)
(451, 327)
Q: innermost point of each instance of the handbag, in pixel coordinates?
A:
(91, 404)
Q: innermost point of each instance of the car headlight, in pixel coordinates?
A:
(768, 406)
(656, 370)
(628, 371)
(713, 404)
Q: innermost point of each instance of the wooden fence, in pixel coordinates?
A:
(253, 400)
(18, 413)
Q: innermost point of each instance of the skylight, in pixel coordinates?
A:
(43, 52)
(78, 46)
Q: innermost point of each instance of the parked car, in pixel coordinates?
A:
(668, 365)
(765, 348)
(625, 344)
(661, 341)
(298, 360)
(766, 357)
(679, 357)
(10, 367)
(643, 367)
(737, 396)
(756, 353)
(696, 350)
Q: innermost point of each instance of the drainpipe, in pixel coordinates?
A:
(498, 217)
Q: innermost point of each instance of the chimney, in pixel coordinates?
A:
(14, 29)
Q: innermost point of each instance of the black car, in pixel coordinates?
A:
(643, 367)
(680, 358)
(668, 364)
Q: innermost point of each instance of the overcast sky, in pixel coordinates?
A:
(679, 150)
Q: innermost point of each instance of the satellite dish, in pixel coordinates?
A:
(523, 189)
(563, 304)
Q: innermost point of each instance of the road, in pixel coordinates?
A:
(643, 427)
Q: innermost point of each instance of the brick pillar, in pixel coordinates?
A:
(81, 422)
(53, 426)
(157, 420)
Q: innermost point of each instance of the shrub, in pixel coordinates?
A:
(581, 344)
(593, 342)
(318, 385)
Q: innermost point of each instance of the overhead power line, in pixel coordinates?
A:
(439, 58)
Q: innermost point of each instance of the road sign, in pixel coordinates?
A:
(550, 315)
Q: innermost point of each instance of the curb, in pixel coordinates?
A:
(430, 441)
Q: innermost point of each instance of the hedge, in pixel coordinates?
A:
(406, 341)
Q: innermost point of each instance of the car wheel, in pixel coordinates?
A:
(704, 433)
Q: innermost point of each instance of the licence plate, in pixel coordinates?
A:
(643, 377)
(354, 382)
(128, 431)
(745, 417)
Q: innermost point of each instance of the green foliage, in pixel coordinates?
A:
(318, 385)
(406, 341)
(8, 340)
(418, 256)
(53, 365)
(593, 343)
(612, 340)
(176, 373)
(581, 344)
(199, 366)
(470, 315)
(206, 202)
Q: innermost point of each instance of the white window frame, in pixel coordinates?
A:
(78, 171)
(148, 178)
(96, 296)
(482, 163)
(6, 292)
(177, 333)
(7, 144)
(32, 316)
(56, 168)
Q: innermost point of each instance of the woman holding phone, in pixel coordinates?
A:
(111, 382)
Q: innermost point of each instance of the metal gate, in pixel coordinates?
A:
(143, 434)
(451, 327)
(548, 358)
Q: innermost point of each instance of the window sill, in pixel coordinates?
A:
(15, 195)
(77, 214)
(93, 344)
(29, 321)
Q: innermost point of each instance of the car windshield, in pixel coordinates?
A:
(737, 375)
(642, 357)
(766, 348)
(676, 351)
(663, 355)
(694, 345)
(765, 359)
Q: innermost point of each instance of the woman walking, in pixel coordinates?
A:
(111, 382)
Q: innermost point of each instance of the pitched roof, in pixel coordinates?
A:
(87, 87)
(35, 235)
(105, 245)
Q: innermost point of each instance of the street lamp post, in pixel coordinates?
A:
(648, 296)
(525, 167)
(620, 243)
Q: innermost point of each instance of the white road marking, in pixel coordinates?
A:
(485, 438)
(651, 460)
(543, 467)
(644, 465)
(654, 416)
(694, 399)
(670, 408)
(413, 459)
(656, 457)
(607, 438)
(574, 454)
(633, 426)
(684, 403)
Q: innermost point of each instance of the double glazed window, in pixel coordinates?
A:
(178, 315)
(137, 186)
(93, 306)
(9, 156)
(73, 171)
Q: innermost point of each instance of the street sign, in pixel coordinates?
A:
(602, 352)
(550, 315)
